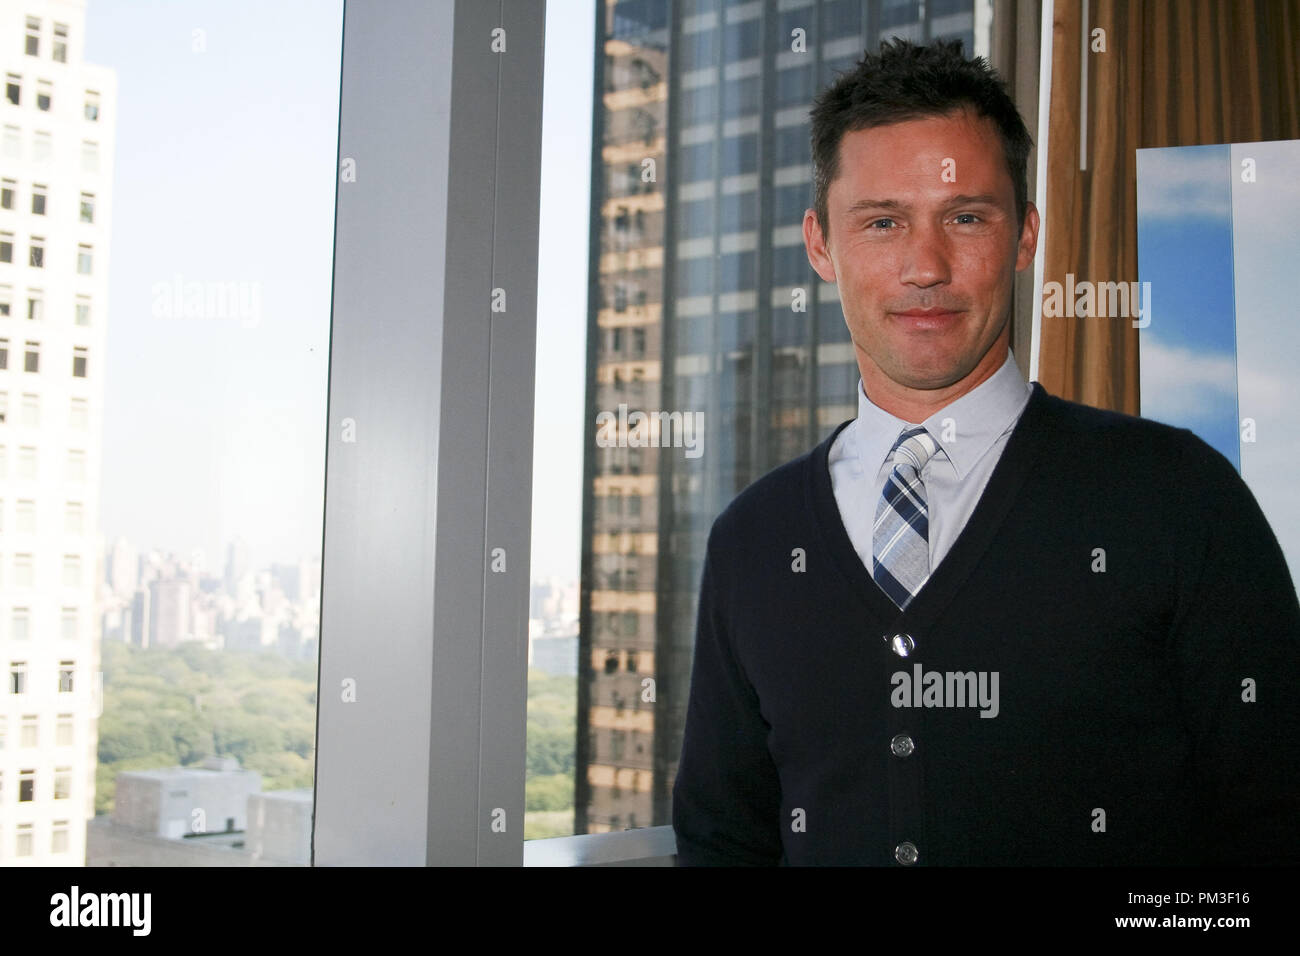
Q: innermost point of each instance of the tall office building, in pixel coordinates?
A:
(56, 167)
(701, 300)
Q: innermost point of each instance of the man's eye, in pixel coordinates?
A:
(969, 216)
(877, 222)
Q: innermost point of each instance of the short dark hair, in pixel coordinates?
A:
(905, 81)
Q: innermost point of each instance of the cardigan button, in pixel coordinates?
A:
(905, 853)
(902, 745)
(902, 644)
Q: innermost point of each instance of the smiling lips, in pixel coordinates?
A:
(927, 319)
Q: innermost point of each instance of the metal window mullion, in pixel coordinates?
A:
(430, 434)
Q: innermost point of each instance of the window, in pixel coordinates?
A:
(73, 518)
(42, 146)
(6, 247)
(31, 415)
(72, 571)
(741, 40)
(697, 162)
(59, 840)
(26, 786)
(60, 51)
(14, 88)
(179, 602)
(25, 513)
(7, 187)
(6, 302)
(63, 731)
(38, 200)
(21, 624)
(23, 840)
(35, 305)
(740, 154)
(791, 148)
(740, 97)
(44, 93)
(33, 36)
(29, 736)
(4, 406)
(23, 570)
(36, 259)
(13, 143)
(79, 414)
(739, 212)
(32, 357)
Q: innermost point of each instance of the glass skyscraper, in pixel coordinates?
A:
(702, 300)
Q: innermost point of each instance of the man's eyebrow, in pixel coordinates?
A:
(863, 204)
(893, 205)
(981, 200)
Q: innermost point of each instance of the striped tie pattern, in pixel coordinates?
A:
(900, 546)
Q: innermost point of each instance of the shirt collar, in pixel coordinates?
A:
(979, 418)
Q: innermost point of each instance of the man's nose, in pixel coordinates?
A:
(926, 257)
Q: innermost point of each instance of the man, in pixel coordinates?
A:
(979, 624)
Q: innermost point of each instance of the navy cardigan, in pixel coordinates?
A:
(1119, 589)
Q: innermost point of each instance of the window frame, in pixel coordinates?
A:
(456, 405)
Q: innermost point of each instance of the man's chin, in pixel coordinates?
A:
(930, 375)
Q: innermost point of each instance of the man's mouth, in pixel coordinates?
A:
(927, 319)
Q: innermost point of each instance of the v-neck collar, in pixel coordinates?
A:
(998, 497)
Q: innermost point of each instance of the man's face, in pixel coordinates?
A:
(924, 245)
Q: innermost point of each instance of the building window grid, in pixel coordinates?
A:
(855, 17)
(33, 44)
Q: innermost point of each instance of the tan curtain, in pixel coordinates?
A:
(1174, 73)
(1014, 53)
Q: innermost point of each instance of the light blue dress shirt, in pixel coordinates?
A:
(970, 432)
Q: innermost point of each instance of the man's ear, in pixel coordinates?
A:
(1028, 243)
(815, 243)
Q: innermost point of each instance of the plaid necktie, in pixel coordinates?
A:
(900, 547)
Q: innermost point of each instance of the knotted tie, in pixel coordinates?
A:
(900, 547)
